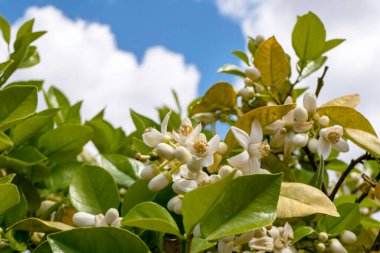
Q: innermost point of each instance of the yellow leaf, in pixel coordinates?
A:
(347, 117)
(348, 100)
(299, 200)
(366, 141)
(37, 225)
(272, 62)
(265, 115)
(221, 96)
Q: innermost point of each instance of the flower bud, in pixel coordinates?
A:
(82, 219)
(178, 207)
(324, 121)
(224, 247)
(111, 215)
(336, 246)
(238, 173)
(194, 165)
(222, 148)
(313, 145)
(165, 151)
(310, 102)
(172, 202)
(225, 170)
(148, 172)
(300, 140)
(259, 39)
(100, 221)
(321, 247)
(182, 154)
(197, 230)
(229, 238)
(323, 237)
(248, 82)
(348, 237)
(183, 186)
(159, 182)
(300, 114)
(45, 205)
(244, 238)
(245, 93)
(213, 178)
(364, 211)
(117, 222)
(252, 73)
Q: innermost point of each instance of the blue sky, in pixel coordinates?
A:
(194, 28)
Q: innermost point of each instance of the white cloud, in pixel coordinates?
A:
(354, 66)
(82, 59)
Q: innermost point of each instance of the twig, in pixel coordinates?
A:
(314, 166)
(350, 167)
(321, 82)
(365, 194)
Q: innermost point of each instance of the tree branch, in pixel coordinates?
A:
(321, 82)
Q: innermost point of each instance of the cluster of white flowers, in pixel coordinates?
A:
(334, 245)
(111, 218)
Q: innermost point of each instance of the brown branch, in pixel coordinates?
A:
(321, 82)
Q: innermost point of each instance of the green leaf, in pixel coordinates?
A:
(31, 126)
(200, 245)
(242, 56)
(330, 44)
(23, 157)
(61, 175)
(34, 83)
(14, 61)
(348, 220)
(31, 59)
(236, 212)
(73, 114)
(93, 190)
(232, 70)
(96, 240)
(369, 222)
(312, 66)
(197, 203)
(9, 197)
(272, 62)
(17, 212)
(151, 216)
(221, 96)
(365, 140)
(36, 225)
(265, 114)
(65, 139)
(5, 29)
(43, 247)
(336, 165)
(140, 146)
(301, 232)
(27, 39)
(308, 37)
(137, 194)
(141, 122)
(347, 117)
(7, 179)
(176, 99)
(6, 143)
(17, 103)
(25, 28)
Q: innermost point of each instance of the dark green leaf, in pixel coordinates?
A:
(200, 245)
(61, 175)
(17, 212)
(301, 232)
(5, 142)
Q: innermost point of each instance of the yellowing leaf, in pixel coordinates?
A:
(37, 225)
(366, 141)
(272, 62)
(299, 200)
(347, 117)
(348, 100)
(221, 96)
(265, 114)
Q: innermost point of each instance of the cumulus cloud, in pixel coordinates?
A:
(354, 66)
(82, 59)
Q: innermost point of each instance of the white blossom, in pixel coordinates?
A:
(203, 152)
(331, 137)
(186, 134)
(111, 215)
(165, 151)
(152, 137)
(348, 237)
(82, 219)
(159, 182)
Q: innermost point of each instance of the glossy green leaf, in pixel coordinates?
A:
(272, 62)
(330, 44)
(221, 96)
(347, 117)
(25, 28)
(96, 240)
(137, 194)
(200, 245)
(36, 225)
(25, 156)
(365, 140)
(301, 232)
(236, 212)
(369, 222)
(34, 83)
(61, 175)
(348, 220)
(17, 212)
(93, 190)
(141, 122)
(27, 39)
(9, 197)
(17, 103)
(31, 59)
(308, 37)
(242, 56)
(30, 191)
(43, 247)
(29, 127)
(151, 216)
(265, 115)
(7, 179)
(232, 70)
(140, 146)
(5, 29)
(5, 142)
(14, 61)
(313, 65)
(73, 114)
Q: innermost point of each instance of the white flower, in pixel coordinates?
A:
(203, 152)
(264, 243)
(331, 136)
(336, 246)
(186, 134)
(348, 237)
(225, 247)
(111, 215)
(254, 149)
(282, 239)
(182, 154)
(165, 151)
(82, 219)
(153, 137)
(183, 186)
(159, 182)
(310, 102)
(175, 204)
(100, 221)
(149, 172)
(252, 73)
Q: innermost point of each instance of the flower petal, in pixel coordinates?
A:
(275, 126)
(289, 145)
(324, 148)
(208, 160)
(301, 127)
(239, 160)
(186, 121)
(288, 232)
(256, 135)
(213, 144)
(194, 134)
(264, 243)
(152, 138)
(341, 146)
(164, 125)
(241, 136)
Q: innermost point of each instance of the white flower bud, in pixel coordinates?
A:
(300, 140)
(248, 82)
(165, 151)
(178, 207)
(183, 186)
(321, 247)
(197, 230)
(222, 148)
(213, 178)
(238, 173)
(117, 222)
(45, 205)
(348, 237)
(194, 165)
(337, 247)
(324, 121)
(252, 73)
(100, 221)
(82, 219)
(310, 102)
(148, 172)
(300, 114)
(245, 93)
(182, 154)
(244, 238)
(225, 170)
(313, 145)
(111, 215)
(259, 39)
(229, 238)
(323, 237)
(364, 211)
(159, 182)
(224, 247)
(172, 202)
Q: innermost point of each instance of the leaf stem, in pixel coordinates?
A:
(314, 166)
(321, 81)
(350, 167)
